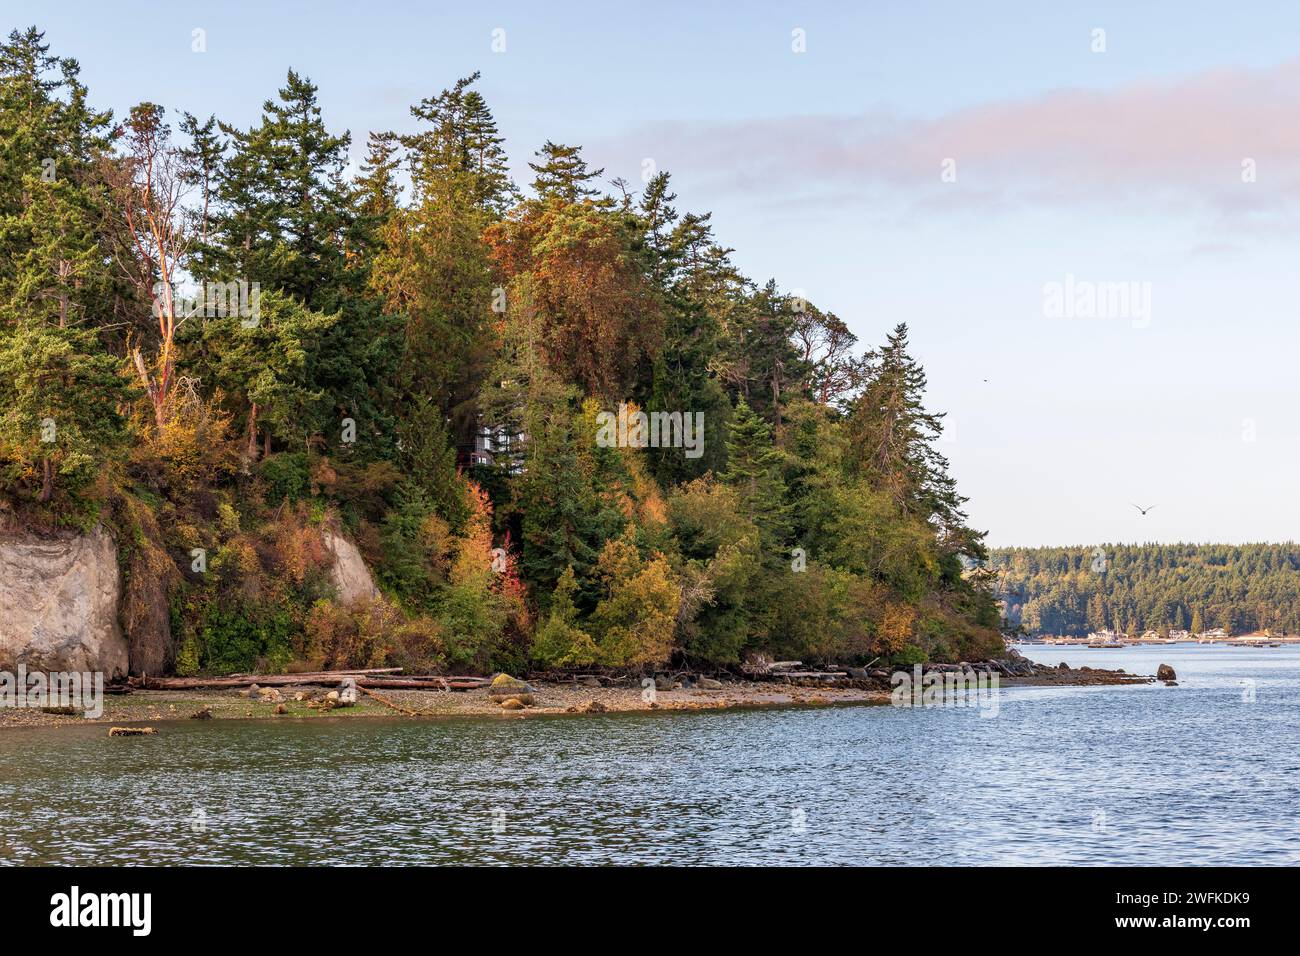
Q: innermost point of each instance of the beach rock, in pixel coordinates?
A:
(281, 709)
(1165, 672)
(503, 685)
(708, 683)
(269, 695)
(858, 672)
(593, 707)
(348, 691)
(250, 691)
(663, 683)
(524, 700)
(60, 595)
(512, 703)
(202, 714)
(1062, 666)
(588, 680)
(332, 697)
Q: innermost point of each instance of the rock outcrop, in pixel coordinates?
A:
(58, 603)
(348, 572)
(1165, 672)
(503, 685)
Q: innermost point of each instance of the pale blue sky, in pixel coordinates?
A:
(822, 169)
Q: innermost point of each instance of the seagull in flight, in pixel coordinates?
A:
(1141, 509)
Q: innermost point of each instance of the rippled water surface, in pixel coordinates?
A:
(1191, 774)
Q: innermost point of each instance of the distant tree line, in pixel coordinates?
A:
(1161, 587)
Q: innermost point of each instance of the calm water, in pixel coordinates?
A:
(1143, 775)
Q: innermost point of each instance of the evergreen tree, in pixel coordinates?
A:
(60, 394)
(52, 261)
(567, 515)
(761, 361)
(433, 267)
(562, 174)
(201, 161)
(284, 206)
(754, 470)
(683, 377)
(893, 440)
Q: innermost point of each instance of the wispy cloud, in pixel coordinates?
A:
(1178, 145)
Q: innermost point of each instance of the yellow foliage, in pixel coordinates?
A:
(896, 627)
(636, 622)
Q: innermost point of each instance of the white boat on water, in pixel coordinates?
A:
(1106, 639)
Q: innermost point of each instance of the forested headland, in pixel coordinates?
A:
(1133, 588)
(217, 343)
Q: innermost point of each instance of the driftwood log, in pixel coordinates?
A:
(376, 677)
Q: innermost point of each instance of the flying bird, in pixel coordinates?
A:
(1141, 509)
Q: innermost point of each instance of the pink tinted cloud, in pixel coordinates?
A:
(1179, 143)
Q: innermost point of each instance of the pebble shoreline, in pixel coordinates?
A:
(549, 698)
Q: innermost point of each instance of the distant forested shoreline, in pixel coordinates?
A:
(1134, 588)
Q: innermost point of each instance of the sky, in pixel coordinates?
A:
(1086, 216)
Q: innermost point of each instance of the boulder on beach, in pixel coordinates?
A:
(348, 691)
(708, 683)
(503, 685)
(1165, 672)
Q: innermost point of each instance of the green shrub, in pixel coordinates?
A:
(237, 639)
(909, 655)
(286, 476)
(188, 658)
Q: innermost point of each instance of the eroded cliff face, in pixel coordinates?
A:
(63, 598)
(58, 603)
(349, 573)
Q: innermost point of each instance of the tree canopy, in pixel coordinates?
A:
(219, 341)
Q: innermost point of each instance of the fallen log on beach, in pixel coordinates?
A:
(431, 683)
(378, 680)
(810, 675)
(358, 672)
